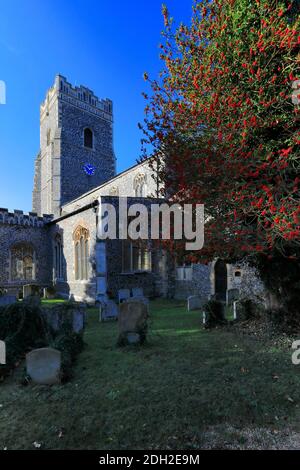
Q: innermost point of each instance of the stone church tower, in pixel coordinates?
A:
(76, 146)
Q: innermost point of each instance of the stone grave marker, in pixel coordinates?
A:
(2, 352)
(194, 302)
(74, 315)
(232, 295)
(49, 293)
(30, 289)
(108, 310)
(137, 292)
(44, 365)
(78, 320)
(123, 294)
(133, 316)
(235, 310)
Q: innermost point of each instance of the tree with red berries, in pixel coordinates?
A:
(223, 125)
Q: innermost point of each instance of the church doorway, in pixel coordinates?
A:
(220, 280)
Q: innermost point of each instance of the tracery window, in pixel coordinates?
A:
(136, 257)
(22, 257)
(139, 185)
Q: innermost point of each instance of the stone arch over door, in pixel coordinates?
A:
(220, 280)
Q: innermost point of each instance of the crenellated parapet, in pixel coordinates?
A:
(17, 217)
(78, 96)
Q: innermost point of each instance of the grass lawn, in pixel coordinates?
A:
(186, 388)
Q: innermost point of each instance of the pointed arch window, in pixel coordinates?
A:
(88, 138)
(22, 256)
(58, 257)
(136, 257)
(81, 240)
(139, 185)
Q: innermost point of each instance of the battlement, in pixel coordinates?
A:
(79, 96)
(18, 217)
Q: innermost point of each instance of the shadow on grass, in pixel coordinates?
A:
(182, 381)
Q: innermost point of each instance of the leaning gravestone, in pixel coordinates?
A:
(194, 302)
(7, 300)
(44, 366)
(132, 322)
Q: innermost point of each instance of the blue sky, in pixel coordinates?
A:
(106, 45)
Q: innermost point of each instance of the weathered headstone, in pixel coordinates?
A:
(108, 310)
(7, 300)
(44, 366)
(133, 316)
(30, 289)
(194, 302)
(123, 295)
(73, 315)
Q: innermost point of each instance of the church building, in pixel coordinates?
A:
(56, 244)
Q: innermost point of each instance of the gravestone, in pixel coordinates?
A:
(78, 320)
(7, 300)
(44, 366)
(48, 293)
(30, 289)
(194, 302)
(232, 295)
(2, 352)
(235, 309)
(108, 310)
(133, 316)
(73, 315)
(123, 294)
(137, 292)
